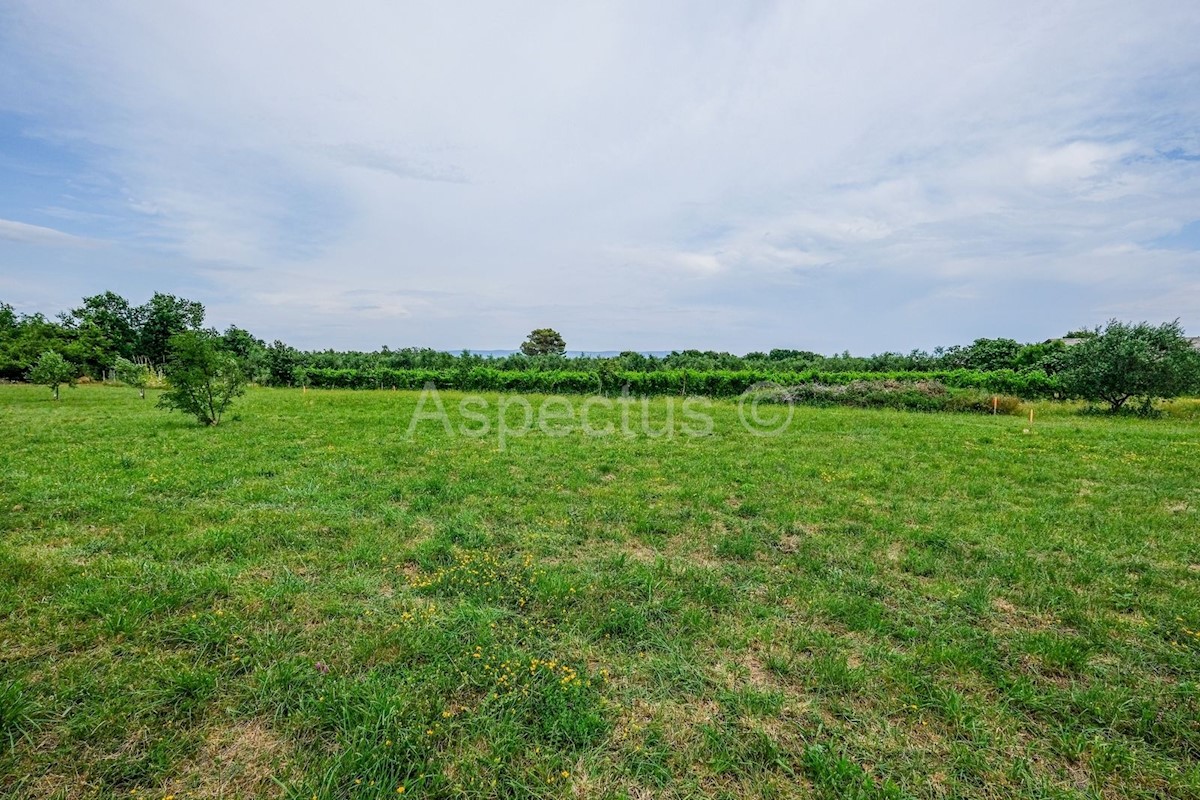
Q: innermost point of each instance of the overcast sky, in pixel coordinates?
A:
(643, 175)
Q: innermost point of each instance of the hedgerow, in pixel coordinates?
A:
(900, 395)
(711, 383)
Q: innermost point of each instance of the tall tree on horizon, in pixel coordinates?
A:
(544, 342)
(163, 317)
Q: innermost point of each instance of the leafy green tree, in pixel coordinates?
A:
(10, 331)
(1046, 356)
(163, 317)
(23, 343)
(52, 370)
(1125, 361)
(203, 379)
(106, 328)
(8, 320)
(992, 354)
(544, 342)
(281, 362)
(241, 342)
(248, 350)
(132, 374)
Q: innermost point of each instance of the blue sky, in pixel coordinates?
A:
(734, 176)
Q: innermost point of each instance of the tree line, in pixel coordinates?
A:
(107, 336)
(107, 326)
(104, 328)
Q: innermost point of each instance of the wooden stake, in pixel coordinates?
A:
(995, 401)
(1031, 416)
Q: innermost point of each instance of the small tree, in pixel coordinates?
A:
(1125, 361)
(544, 342)
(52, 370)
(203, 379)
(131, 374)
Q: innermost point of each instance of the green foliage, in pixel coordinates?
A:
(1126, 361)
(544, 342)
(8, 319)
(24, 338)
(713, 374)
(132, 374)
(1048, 357)
(992, 354)
(52, 370)
(203, 379)
(162, 318)
(711, 383)
(896, 394)
(105, 328)
(250, 352)
(280, 362)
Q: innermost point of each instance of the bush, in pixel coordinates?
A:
(52, 370)
(981, 402)
(131, 374)
(900, 395)
(203, 379)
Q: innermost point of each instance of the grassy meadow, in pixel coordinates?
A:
(306, 602)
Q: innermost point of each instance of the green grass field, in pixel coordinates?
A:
(304, 602)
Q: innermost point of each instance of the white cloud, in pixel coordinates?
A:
(1073, 162)
(615, 160)
(24, 233)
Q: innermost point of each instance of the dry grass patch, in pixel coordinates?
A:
(1014, 617)
(236, 762)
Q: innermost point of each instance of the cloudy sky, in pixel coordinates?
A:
(642, 175)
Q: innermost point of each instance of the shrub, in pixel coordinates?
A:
(52, 370)
(982, 402)
(900, 395)
(203, 379)
(131, 374)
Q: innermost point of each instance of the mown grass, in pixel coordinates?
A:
(305, 602)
